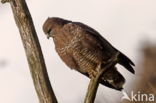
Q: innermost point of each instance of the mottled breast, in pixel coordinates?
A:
(73, 50)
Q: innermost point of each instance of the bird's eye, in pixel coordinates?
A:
(49, 31)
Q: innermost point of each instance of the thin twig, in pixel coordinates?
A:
(94, 82)
(33, 51)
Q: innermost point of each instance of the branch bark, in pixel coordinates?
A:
(33, 51)
(94, 82)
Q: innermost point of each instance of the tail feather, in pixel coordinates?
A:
(126, 62)
(113, 79)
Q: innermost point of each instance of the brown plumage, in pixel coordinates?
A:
(83, 49)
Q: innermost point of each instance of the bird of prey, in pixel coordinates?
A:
(82, 48)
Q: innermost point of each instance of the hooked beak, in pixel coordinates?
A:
(48, 36)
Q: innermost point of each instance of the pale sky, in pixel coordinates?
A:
(124, 23)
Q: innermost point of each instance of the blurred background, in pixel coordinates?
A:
(129, 25)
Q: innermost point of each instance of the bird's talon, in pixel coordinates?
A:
(92, 73)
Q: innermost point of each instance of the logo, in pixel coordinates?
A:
(138, 96)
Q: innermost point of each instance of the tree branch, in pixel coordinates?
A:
(94, 82)
(33, 51)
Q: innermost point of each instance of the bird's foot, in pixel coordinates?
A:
(98, 68)
(92, 73)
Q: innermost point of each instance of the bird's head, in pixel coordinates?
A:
(51, 24)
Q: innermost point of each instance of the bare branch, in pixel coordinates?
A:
(33, 51)
(94, 82)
